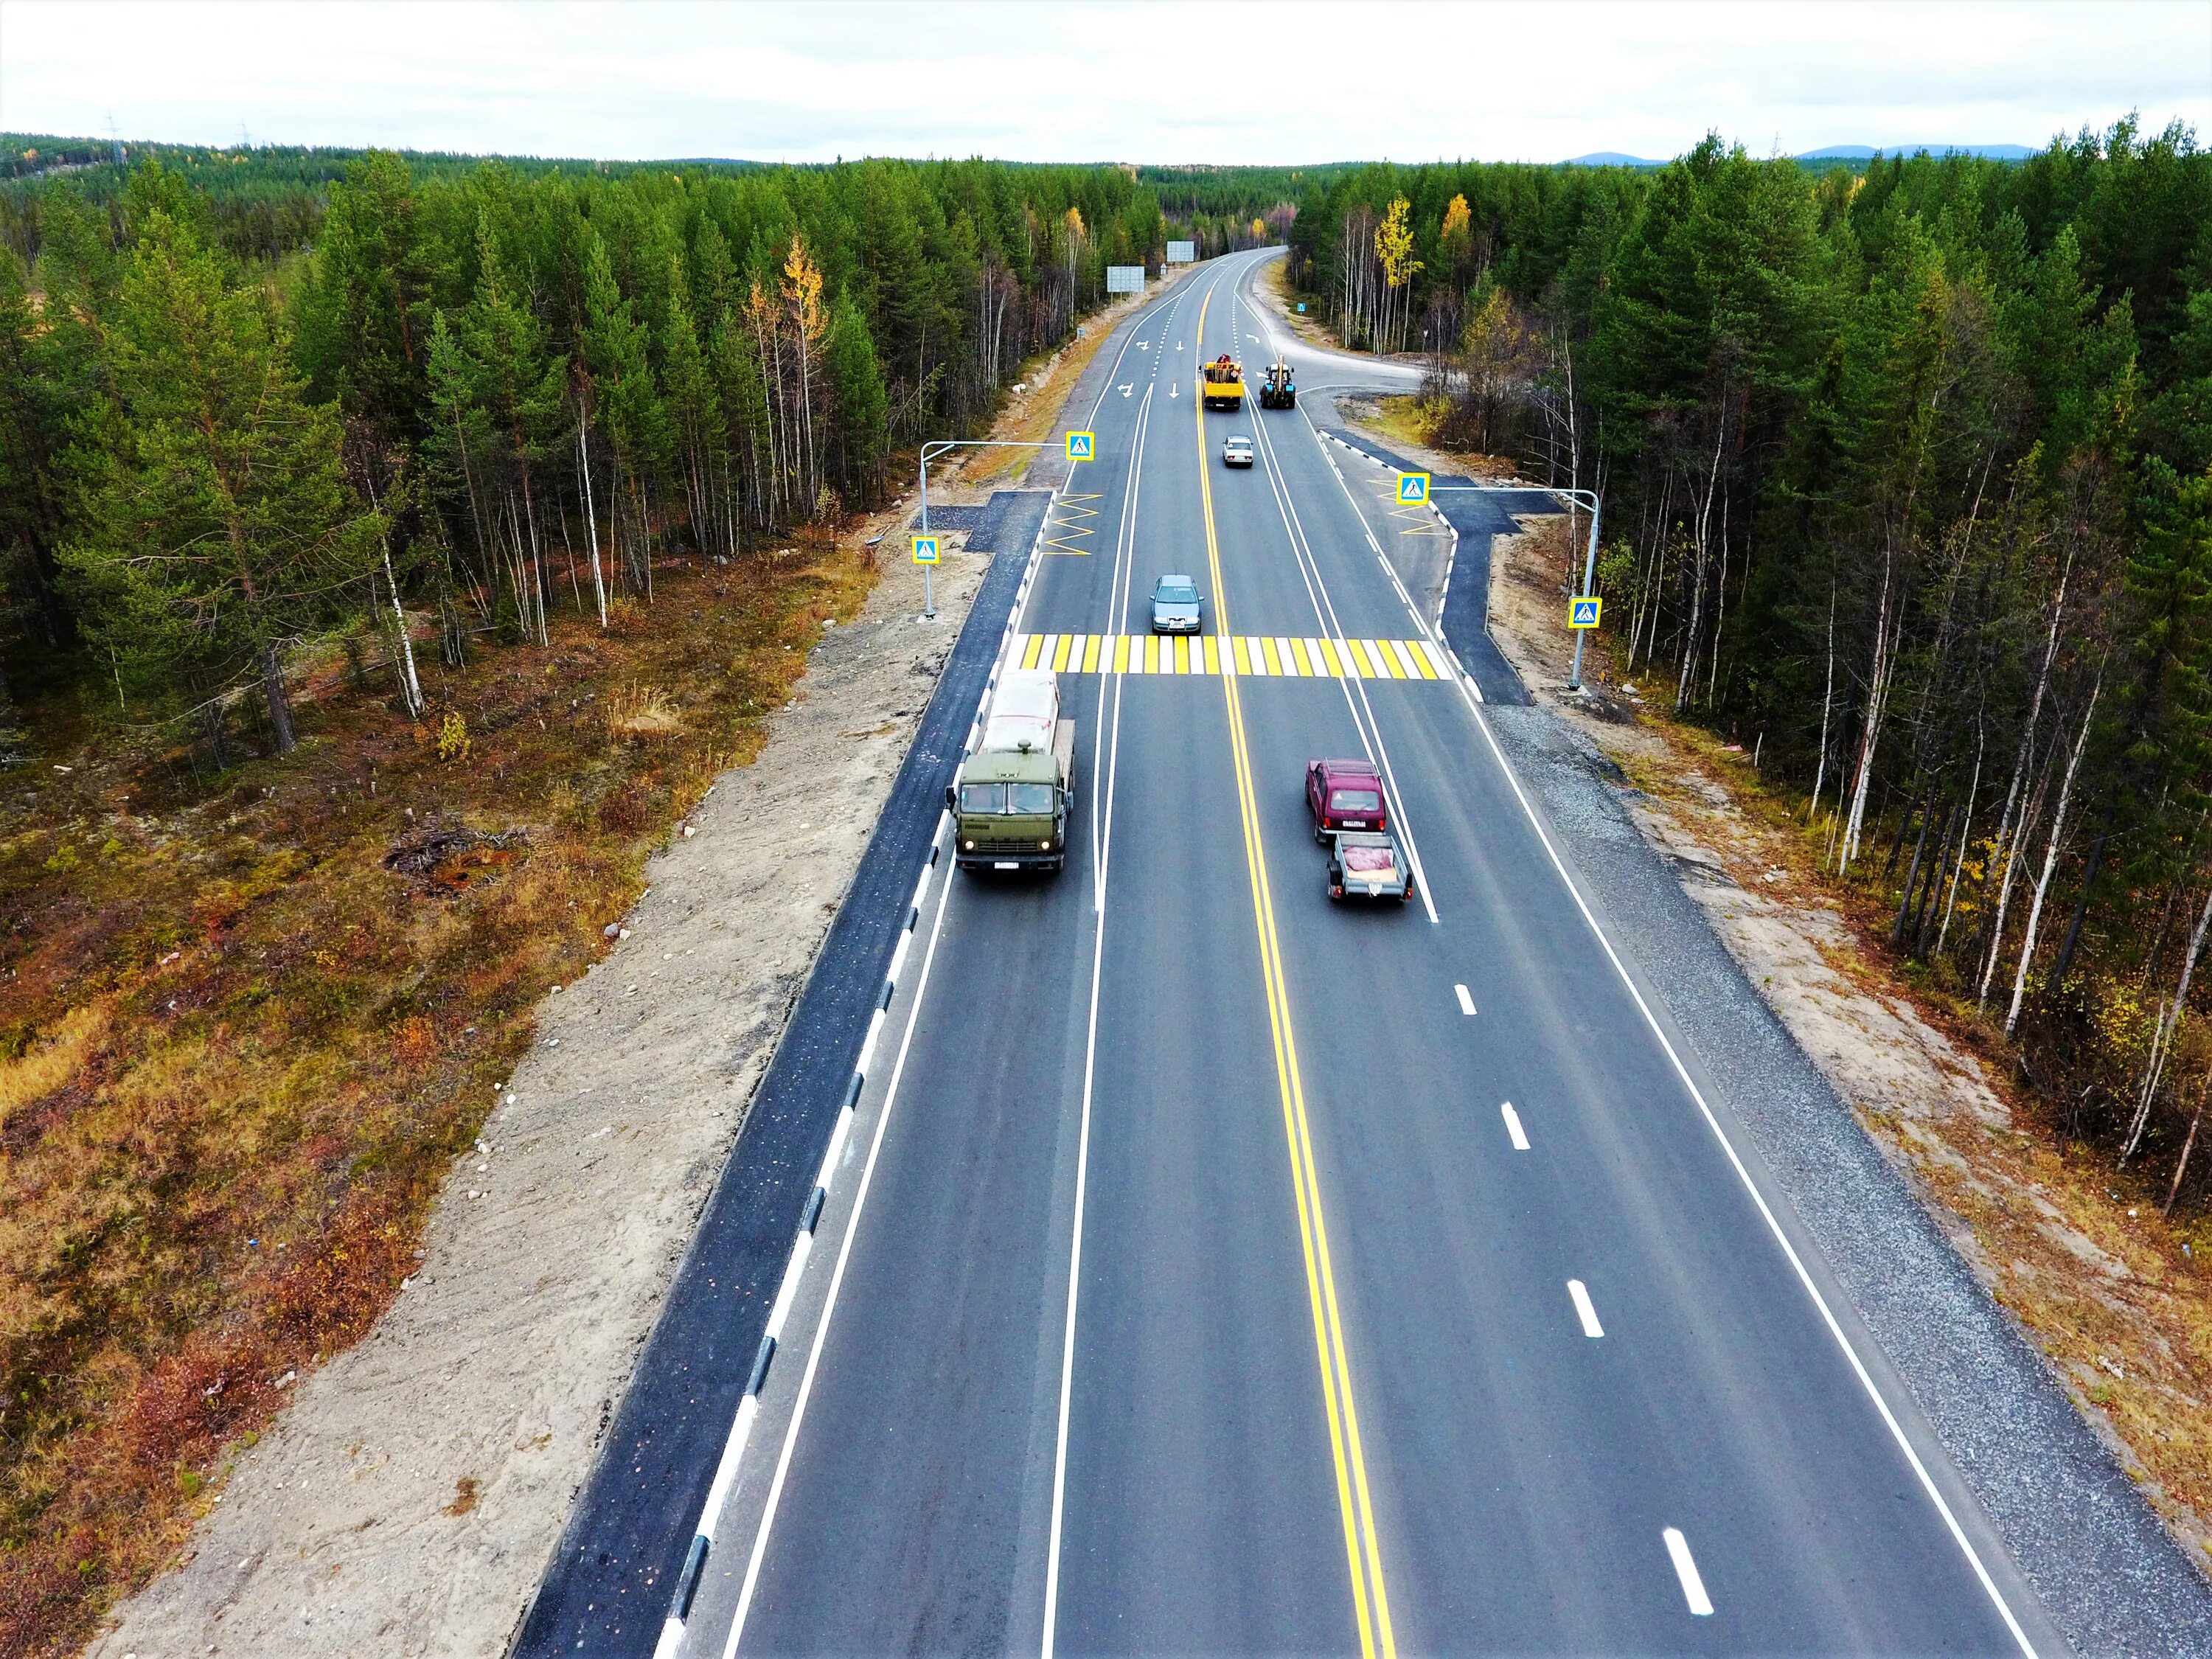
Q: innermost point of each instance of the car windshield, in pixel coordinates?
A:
(1165, 595)
(982, 796)
(1030, 798)
(1354, 800)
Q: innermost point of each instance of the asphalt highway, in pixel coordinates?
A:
(1213, 1268)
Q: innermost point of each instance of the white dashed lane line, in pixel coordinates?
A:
(1685, 1569)
(1466, 1000)
(1585, 1309)
(1513, 1129)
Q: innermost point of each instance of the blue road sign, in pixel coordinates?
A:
(925, 549)
(1412, 488)
(1080, 445)
(1582, 613)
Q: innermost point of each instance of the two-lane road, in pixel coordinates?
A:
(1214, 1269)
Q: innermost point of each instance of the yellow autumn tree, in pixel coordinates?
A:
(1394, 249)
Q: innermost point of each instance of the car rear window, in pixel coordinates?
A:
(1354, 800)
(982, 796)
(1177, 596)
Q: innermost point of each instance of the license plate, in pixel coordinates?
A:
(1007, 863)
(1355, 823)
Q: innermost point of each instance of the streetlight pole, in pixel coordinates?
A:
(930, 452)
(1582, 497)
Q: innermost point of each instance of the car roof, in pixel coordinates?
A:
(1350, 767)
(1176, 581)
(1239, 438)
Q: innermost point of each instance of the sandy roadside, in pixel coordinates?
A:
(2097, 1289)
(407, 1502)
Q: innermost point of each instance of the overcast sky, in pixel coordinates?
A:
(1255, 83)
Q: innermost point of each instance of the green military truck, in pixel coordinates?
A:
(1010, 804)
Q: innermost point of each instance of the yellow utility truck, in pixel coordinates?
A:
(1225, 383)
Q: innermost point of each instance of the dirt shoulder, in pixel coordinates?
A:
(2113, 1298)
(407, 1499)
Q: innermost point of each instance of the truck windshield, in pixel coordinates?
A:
(1354, 800)
(1177, 596)
(1035, 797)
(982, 796)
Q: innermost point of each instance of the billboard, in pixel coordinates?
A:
(1125, 279)
(1182, 253)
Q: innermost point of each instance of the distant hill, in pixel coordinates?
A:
(1833, 154)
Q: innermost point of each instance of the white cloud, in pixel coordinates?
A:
(1285, 82)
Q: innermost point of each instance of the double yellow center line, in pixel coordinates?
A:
(1370, 1600)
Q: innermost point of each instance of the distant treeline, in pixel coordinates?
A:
(1906, 487)
(480, 391)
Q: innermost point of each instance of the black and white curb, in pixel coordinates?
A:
(802, 1249)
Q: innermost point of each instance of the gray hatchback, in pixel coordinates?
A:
(1174, 605)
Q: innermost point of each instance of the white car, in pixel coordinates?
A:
(1236, 452)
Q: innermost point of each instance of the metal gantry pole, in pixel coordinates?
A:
(1590, 576)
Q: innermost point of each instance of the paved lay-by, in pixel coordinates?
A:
(1209, 1268)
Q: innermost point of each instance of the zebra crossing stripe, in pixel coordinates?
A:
(1255, 655)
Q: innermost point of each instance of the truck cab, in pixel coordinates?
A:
(1010, 801)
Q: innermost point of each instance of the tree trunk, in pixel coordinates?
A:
(280, 702)
(592, 518)
(2081, 905)
(2162, 1041)
(2049, 862)
(2188, 1146)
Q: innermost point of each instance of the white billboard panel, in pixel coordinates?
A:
(1125, 279)
(1182, 253)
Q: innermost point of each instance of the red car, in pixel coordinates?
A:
(1344, 794)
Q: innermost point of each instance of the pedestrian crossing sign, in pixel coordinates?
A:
(1582, 613)
(1412, 488)
(1080, 445)
(925, 549)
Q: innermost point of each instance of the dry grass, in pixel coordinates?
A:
(243, 1031)
(642, 713)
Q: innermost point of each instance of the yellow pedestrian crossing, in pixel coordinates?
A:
(1255, 654)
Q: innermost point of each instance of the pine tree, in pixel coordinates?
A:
(214, 528)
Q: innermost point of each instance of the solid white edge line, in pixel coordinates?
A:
(1585, 1309)
(836, 1281)
(1685, 1569)
(1466, 1000)
(1758, 1199)
(1514, 1132)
